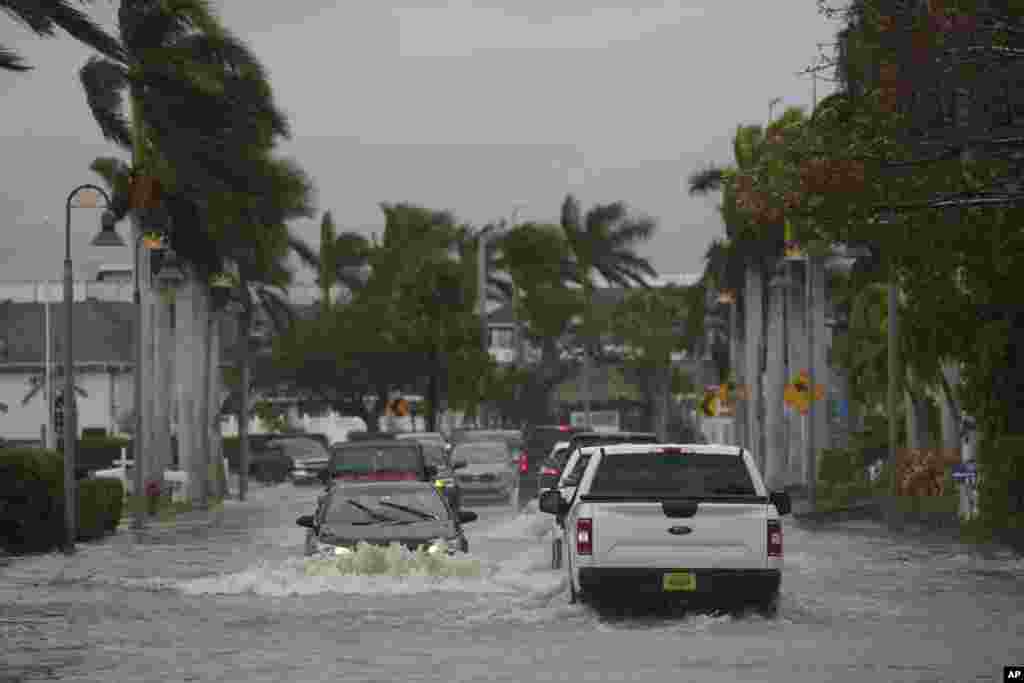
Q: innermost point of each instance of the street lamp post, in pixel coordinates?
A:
(70, 480)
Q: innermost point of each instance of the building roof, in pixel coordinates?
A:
(103, 332)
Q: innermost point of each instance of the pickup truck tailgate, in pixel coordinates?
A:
(719, 536)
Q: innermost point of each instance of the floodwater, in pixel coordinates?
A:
(237, 602)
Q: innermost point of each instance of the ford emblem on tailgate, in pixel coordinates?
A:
(679, 530)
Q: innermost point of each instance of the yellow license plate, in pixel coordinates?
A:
(679, 581)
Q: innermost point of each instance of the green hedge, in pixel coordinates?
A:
(99, 507)
(1001, 486)
(32, 501)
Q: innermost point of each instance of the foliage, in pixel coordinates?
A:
(100, 502)
(44, 18)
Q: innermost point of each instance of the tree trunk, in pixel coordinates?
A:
(754, 343)
(796, 327)
(775, 381)
(950, 411)
(185, 337)
(163, 380)
(663, 384)
(245, 327)
(198, 420)
(820, 427)
(433, 391)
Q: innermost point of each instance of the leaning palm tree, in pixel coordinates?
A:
(44, 18)
(603, 242)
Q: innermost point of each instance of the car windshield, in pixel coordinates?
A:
(363, 459)
(385, 507)
(483, 453)
(672, 474)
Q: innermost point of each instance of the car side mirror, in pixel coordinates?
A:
(306, 521)
(459, 464)
(781, 501)
(467, 516)
(551, 502)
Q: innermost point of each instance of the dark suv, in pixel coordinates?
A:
(551, 469)
(538, 442)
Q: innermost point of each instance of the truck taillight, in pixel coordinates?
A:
(774, 538)
(584, 536)
(550, 471)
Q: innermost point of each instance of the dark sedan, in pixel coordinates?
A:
(412, 513)
(379, 460)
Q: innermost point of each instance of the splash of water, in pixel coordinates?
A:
(393, 560)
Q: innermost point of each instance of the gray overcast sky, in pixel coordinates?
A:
(466, 106)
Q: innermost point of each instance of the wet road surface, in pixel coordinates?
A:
(232, 603)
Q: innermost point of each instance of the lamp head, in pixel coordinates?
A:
(107, 236)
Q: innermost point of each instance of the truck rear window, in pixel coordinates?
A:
(672, 474)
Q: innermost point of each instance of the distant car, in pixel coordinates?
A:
(436, 438)
(408, 512)
(309, 458)
(379, 460)
(538, 441)
(551, 469)
(490, 470)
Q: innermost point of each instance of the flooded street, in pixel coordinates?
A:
(234, 603)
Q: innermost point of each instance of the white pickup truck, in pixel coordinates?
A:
(690, 520)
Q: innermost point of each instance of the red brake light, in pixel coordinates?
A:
(524, 463)
(584, 536)
(563, 428)
(673, 451)
(550, 471)
(774, 538)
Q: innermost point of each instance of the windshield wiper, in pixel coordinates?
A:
(375, 515)
(422, 514)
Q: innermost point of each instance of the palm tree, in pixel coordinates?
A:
(44, 17)
(602, 242)
(200, 127)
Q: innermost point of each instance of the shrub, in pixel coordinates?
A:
(32, 492)
(99, 507)
(1001, 485)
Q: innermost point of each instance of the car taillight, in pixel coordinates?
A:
(774, 538)
(550, 471)
(524, 463)
(584, 536)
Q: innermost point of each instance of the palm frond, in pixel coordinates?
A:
(602, 219)
(104, 82)
(116, 174)
(630, 232)
(306, 253)
(706, 180)
(79, 26)
(12, 61)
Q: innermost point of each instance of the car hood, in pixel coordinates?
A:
(473, 468)
(409, 535)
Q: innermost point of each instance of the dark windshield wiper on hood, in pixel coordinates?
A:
(422, 514)
(375, 515)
